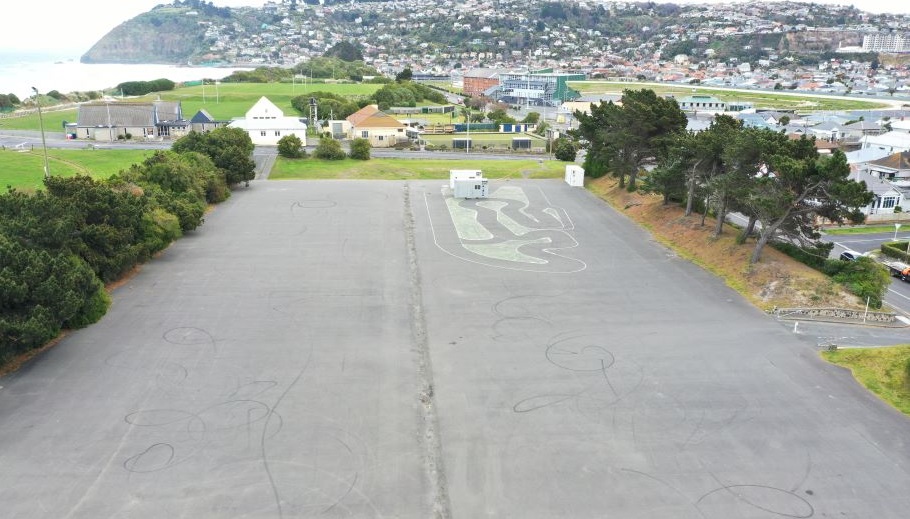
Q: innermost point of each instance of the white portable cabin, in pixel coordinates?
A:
(463, 174)
(470, 188)
(575, 176)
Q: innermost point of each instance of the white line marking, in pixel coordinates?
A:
(895, 292)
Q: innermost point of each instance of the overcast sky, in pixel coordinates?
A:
(73, 26)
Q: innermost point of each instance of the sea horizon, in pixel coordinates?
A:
(62, 71)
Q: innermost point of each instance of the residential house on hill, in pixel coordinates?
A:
(887, 195)
(266, 124)
(892, 142)
(893, 167)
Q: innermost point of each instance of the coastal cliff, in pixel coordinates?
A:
(152, 37)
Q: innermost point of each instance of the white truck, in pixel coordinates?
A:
(898, 269)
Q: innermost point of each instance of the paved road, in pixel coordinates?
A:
(368, 349)
(898, 295)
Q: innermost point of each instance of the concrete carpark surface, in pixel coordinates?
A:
(341, 349)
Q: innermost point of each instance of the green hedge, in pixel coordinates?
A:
(896, 250)
(814, 257)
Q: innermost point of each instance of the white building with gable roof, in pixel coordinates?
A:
(266, 124)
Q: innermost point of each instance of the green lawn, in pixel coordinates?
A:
(53, 121)
(861, 230)
(779, 100)
(233, 100)
(25, 170)
(411, 169)
(884, 371)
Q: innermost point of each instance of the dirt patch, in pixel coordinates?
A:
(777, 280)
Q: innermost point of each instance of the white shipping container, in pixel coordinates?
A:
(463, 174)
(575, 176)
(470, 188)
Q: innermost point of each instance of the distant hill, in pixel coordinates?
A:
(167, 34)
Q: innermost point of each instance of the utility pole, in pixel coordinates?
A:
(47, 171)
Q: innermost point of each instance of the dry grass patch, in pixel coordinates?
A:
(777, 280)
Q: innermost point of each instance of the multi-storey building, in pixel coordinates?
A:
(881, 42)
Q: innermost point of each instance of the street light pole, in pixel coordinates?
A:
(47, 170)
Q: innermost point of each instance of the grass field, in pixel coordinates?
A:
(53, 121)
(860, 230)
(411, 169)
(884, 371)
(232, 100)
(776, 100)
(25, 170)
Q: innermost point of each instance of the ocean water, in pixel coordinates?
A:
(19, 72)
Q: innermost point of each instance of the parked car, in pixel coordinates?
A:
(850, 255)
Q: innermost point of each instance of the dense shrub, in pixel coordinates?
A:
(360, 149)
(109, 223)
(863, 277)
(58, 245)
(291, 147)
(140, 88)
(564, 149)
(230, 149)
(41, 290)
(328, 149)
(328, 105)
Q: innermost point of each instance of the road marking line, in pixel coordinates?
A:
(895, 292)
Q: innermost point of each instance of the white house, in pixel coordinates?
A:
(266, 124)
(892, 142)
(887, 195)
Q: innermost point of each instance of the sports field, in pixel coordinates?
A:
(766, 100)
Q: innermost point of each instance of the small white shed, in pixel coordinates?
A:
(575, 176)
(463, 174)
(471, 188)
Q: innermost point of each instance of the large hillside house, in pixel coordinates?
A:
(266, 124)
(110, 121)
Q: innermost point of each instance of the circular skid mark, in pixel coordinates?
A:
(157, 457)
(540, 401)
(768, 499)
(580, 354)
(188, 336)
(313, 204)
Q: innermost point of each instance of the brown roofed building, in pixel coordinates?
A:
(382, 130)
(893, 167)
